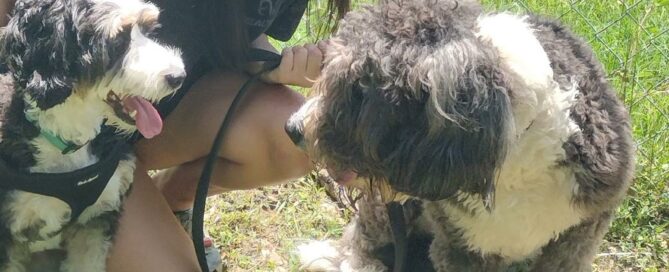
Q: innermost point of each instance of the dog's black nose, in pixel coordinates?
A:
(175, 80)
(294, 131)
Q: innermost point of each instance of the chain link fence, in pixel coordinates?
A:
(631, 38)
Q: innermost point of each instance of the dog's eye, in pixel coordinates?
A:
(149, 30)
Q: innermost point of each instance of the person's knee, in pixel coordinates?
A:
(285, 100)
(288, 162)
(285, 159)
(256, 138)
(148, 237)
(189, 129)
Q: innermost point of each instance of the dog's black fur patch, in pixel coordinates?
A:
(603, 150)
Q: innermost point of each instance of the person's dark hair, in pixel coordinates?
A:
(223, 31)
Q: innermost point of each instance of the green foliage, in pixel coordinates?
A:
(631, 38)
(258, 230)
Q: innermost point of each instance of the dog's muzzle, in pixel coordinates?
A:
(295, 125)
(294, 129)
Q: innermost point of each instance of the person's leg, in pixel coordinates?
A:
(255, 152)
(149, 237)
(6, 6)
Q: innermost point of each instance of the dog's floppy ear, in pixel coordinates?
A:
(40, 47)
(462, 138)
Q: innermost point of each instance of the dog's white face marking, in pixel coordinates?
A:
(142, 73)
(533, 198)
(145, 71)
(145, 66)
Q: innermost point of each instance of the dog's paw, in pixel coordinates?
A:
(88, 248)
(327, 256)
(319, 256)
(36, 217)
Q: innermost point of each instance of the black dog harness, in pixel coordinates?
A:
(79, 189)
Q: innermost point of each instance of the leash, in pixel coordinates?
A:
(395, 209)
(271, 61)
(398, 228)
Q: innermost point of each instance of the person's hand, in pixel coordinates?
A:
(300, 65)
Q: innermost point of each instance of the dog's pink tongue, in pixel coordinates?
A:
(148, 119)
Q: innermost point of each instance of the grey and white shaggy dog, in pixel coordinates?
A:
(498, 132)
(72, 65)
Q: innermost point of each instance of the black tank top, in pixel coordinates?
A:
(276, 18)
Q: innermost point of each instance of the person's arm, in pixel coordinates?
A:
(5, 7)
(300, 65)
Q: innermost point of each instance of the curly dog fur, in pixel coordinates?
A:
(501, 129)
(64, 59)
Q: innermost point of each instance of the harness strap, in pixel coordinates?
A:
(79, 189)
(272, 60)
(398, 229)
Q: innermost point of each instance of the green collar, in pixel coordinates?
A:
(64, 146)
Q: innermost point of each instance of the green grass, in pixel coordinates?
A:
(633, 44)
(258, 229)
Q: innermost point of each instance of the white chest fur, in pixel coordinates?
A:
(533, 194)
(533, 201)
(524, 218)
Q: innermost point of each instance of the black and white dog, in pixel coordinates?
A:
(499, 132)
(74, 65)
